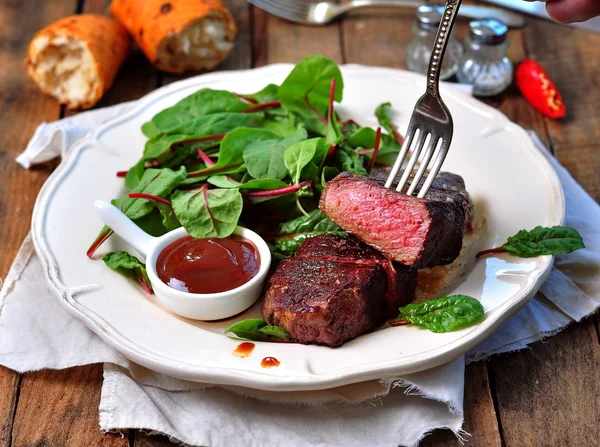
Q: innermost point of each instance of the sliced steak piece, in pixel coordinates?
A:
(415, 232)
(446, 185)
(401, 279)
(334, 290)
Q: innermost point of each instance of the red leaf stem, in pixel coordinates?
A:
(211, 170)
(375, 149)
(346, 123)
(219, 136)
(265, 105)
(205, 158)
(331, 100)
(279, 192)
(103, 236)
(490, 251)
(246, 98)
(141, 195)
(121, 173)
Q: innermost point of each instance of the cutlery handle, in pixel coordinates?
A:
(439, 46)
(124, 227)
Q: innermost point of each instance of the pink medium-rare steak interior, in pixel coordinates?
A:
(376, 214)
(415, 232)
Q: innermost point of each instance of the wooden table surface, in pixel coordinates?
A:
(543, 396)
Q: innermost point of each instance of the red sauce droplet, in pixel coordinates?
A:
(244, 350)
(208, 265)
(269, 362)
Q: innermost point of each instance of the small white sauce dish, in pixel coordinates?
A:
(198, 306)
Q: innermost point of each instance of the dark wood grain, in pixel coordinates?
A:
(60, 408)
(570, 58)
(22, 107)
(145, 440)
(276, 40)
(480, 416)
(548, 395)
(9, 383)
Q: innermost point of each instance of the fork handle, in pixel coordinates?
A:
(439, 47)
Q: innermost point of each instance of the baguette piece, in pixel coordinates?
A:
(179, 35)
(77, 58)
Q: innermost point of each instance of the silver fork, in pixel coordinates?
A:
(431, 118)
(321, 13)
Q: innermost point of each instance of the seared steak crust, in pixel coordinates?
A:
(334, 290)
(415, 232)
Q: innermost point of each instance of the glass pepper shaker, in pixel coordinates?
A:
(484, 64)
(419, 49)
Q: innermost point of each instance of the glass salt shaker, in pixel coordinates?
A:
(419, 49)
(484, 64)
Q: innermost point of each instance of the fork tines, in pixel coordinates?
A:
(435, 144)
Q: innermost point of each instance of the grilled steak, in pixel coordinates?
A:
(415, 232)
(334, 290)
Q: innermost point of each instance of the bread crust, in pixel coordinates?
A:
(152, 23)
(104, 38)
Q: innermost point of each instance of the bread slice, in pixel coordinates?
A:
(77, 58)
(179, 35)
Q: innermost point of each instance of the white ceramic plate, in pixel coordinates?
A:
(501, 167)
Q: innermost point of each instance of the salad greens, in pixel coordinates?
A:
(257, 329)
(217, 159)
(125, 263)
(445, 314)
(540, 241)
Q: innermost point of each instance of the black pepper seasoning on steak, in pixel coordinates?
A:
(334, 290)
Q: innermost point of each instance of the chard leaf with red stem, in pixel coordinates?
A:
(208, 212)
(384, 116)
(305, 92)
(127, 264)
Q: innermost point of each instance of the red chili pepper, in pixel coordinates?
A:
(539, 90)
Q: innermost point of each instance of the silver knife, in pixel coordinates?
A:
(538, 9)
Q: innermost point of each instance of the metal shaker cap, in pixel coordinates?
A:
(488, 31)
(429, 17)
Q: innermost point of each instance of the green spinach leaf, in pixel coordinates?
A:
(445, 314)
(125, 263)
(541, 241)
(257, 329)
(350, 161)
(208, 212)
(267, 94)
(263, 151)
(197, 105)
(266, 184)
(383, 114)
(299, 155)
(305, 91)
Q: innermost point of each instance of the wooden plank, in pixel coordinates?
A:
(569, 57)
(60, 408)
(136, 78)
(23, 108)
(480, 416)
(276, 40)
(548, 394)
(9, 383)
(144, 440)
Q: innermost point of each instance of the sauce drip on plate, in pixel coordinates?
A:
(269, 362)
(244, 350)
(208, 265)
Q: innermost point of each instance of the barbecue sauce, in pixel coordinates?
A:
(269, 362)
(208, 265)
(244, 350)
